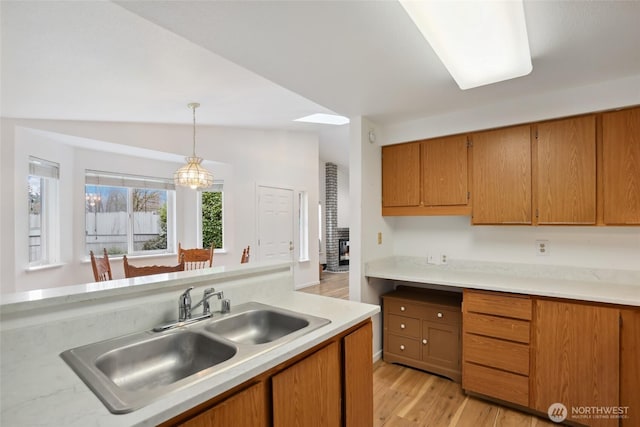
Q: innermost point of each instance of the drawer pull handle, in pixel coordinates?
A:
(402, 308)
(424, 341)
(402, 347)
(402, 326)
(440, 315)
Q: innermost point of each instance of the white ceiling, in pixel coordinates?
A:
(264, 63)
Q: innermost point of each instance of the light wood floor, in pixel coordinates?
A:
(334, 285)
(408, 397)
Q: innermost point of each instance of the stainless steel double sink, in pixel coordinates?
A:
(131, 371)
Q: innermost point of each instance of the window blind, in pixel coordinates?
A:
(93, 177)
(43, 168)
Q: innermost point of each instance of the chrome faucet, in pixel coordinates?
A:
(184, 305)
(208, 293)
(185, 309)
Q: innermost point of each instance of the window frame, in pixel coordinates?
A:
(130, 183)
(303, 226)
(48, 173)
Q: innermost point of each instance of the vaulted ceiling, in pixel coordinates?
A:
(265, 63)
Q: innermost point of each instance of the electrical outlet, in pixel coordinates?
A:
(542, 248)
(443, 259)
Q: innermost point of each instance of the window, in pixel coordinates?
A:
(211, 216)
(128, 214)
(44, 227)
(303, 221)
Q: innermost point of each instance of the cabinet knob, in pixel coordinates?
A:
(402, 326)
(402, 347)
(402, 308)
(440, 315)
(424, 341)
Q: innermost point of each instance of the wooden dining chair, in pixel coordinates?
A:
(196, 258)
(133, 271)
(245, 255)
(101, 267)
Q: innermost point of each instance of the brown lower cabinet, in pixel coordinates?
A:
(330, 385)
(534, 352)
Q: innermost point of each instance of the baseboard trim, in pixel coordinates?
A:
(306, 285)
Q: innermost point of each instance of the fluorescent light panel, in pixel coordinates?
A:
(327, 119)
(479, 42)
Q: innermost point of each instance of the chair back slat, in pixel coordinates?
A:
(133, 271)
(196, 258)
(101, 267)
(245, 255)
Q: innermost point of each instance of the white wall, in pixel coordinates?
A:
(247, 158)
(343, 197)
(366, 221)
(593, 247)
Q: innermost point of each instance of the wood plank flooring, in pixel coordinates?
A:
(334, 285)
(405, 397)
(408, 397)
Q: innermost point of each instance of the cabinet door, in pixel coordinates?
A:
(244, 409)
(630, 366)
(441, 345)
(358, 378)
(401, 175)
(621, 166)
(576, 358)
(444, 171)
(566, 171)
(502, 176)
(308, 394)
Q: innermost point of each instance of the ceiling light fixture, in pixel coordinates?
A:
(479, 42)
(325, 119)
(193, 174)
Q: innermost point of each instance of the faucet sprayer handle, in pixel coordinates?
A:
(184, 303)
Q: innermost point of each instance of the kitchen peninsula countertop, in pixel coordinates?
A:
(585, 284)
(39, 389)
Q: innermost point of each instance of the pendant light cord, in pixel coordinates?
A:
(193, 107)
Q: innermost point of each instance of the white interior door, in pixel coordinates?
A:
(275, 223)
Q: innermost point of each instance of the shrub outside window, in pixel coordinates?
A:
(212, 217)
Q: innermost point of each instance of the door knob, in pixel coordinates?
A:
(424, 341)
(402, 326)
(402, 347)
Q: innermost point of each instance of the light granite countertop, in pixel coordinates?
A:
(598, 285)
(39, 389)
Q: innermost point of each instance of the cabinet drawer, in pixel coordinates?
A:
(495, 383)
(497, 327)
(404, 308)
(497, 304)
(403, 326)
(403, 346)
(506, 355)
(441, 315)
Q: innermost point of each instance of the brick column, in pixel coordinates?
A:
(331, 216)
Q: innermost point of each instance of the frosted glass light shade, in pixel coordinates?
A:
(479, 42)
(193, 174)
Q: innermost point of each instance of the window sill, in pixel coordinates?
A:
(43, 267)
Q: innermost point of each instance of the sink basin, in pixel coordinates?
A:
(129, 372)
(162, 361)
(257, 326)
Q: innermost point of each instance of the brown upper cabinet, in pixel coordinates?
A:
(401, 175)
(426, 177)
(566, 171)
(501, 176)
(621, 166)
(444, 171)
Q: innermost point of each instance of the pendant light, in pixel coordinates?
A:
(192, 174)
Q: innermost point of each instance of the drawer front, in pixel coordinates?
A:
(403, 308)
(497, 327)
(442, 315)
(506, 355)
(495, 383)
(403, 346)
(497, 304)
(403, 326)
